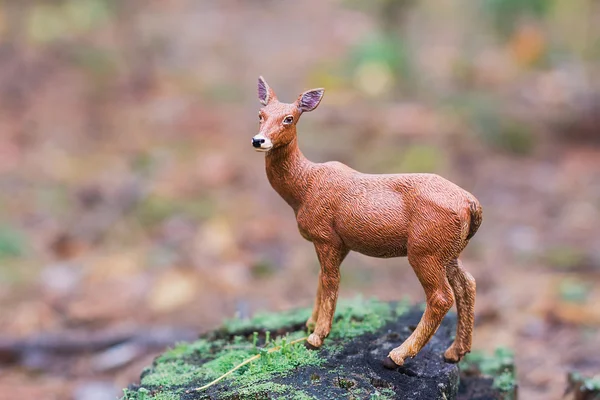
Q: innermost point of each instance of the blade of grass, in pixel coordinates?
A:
(248, 361)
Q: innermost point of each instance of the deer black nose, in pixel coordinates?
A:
(257, 142)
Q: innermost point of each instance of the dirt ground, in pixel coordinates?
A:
(131, 201)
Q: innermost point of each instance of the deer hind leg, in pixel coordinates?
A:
(312, 321)
(463, 286)
(431, 272)
(330, 258)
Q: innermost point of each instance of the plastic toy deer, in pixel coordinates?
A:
(338, 209)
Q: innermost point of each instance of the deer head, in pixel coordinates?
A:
(278, 120)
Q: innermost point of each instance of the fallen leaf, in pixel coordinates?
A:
(173, 289)
(527, 45)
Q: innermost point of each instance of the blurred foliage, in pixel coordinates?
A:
(225, 92)
(504, 135)
(411, 158)
(422, 158)
(506, 14)
(100, 64)
(574, 290)
(379, 61)
(12, 243)
(155, 209)
(564, 257)
(378, 6)
(262, 269)
(48, 22)
(503, 132)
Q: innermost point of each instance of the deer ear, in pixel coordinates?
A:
(265, 93)
(310, 99)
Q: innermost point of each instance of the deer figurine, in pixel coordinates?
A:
(421, 216)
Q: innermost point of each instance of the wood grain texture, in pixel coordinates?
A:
(422, 216)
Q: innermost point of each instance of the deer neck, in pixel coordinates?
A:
(289, 173)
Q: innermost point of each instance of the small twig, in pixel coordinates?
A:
(248, 361)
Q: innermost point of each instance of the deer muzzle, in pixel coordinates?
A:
(261, 143)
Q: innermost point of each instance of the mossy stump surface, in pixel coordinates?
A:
(348, 366)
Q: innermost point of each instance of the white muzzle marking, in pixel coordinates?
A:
(266, 145)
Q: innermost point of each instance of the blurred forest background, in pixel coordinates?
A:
(134, 212)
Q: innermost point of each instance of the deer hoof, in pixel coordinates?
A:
(452, 355)
(310, 346)
(314, 342)
(389, 363)
(395, 359)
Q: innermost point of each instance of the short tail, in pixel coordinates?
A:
(476, 214)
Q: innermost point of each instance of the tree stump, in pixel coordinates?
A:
(348, 366)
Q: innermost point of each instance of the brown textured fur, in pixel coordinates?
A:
(422, 216)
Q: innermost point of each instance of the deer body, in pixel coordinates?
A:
(422, 216)
(376, 215)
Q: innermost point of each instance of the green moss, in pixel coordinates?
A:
(263, 321)
(383, 394)
(592, 383)
(226, 361)
(499, 366)
(172, 370)
(505, 382)
(195, 364)
(345, 383)
(302, 396)
(166, 396)
(402, 307)
(173, 373)
(358, 394)
(200, 347)
(585, 384)
(297, 396)
(260, 390)
(357, 316)
(145, 394)
(129, 394)
(353, 317)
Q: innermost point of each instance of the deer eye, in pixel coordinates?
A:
(288, 120)
(260, 117)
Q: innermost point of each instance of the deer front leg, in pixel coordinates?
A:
(312, 321)
(330, 258)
